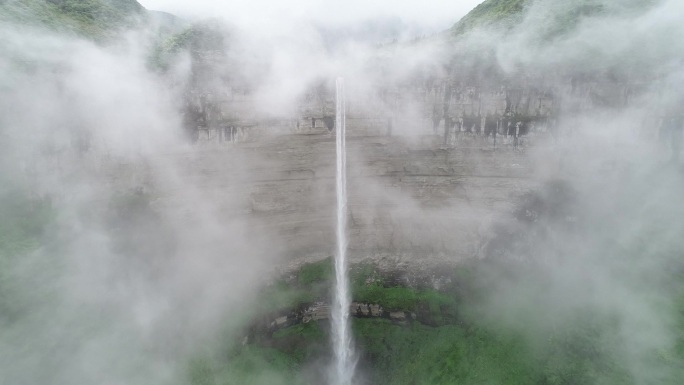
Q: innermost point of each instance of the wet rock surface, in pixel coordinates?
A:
(409, 197)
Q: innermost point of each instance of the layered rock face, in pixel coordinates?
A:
(411, 196)
(431, 166)
(432, 160)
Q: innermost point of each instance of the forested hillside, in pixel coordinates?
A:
(93, 19)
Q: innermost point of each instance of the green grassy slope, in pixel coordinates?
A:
(491, 12)
(560, 15)
(465, 344)
(23, 222)
(94, 19)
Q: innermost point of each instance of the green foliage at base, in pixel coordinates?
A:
(470, 346)
(22, 222)
(252, 366)
(322, 271)
(311, 283)
(282, 295)
(440, 308)
(309, 332)
(281, 361)
(418, 354)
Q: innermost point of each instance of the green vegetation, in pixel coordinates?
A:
(99, 20)
(467, 343)
(165, 51)
(282, 295)
(311, 283)
(316, 272)
(506, 14)
(434, 307)
(252, 366)
(557, 18)
(280, 360)
(197, 39)
(503, 13)
(308, 331)
(23, 222)
(419, 354)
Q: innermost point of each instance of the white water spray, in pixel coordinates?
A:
(342, 343)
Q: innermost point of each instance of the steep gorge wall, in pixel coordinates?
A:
(431, 165)
(409, 195)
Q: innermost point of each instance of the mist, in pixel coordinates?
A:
(118, 291)
(154, 186)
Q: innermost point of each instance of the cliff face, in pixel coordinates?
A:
(434, 156)
(410, 193)
(433, 161)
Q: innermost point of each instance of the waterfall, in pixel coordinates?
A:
(343, 370)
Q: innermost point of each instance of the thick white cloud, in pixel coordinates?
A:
(432, 15)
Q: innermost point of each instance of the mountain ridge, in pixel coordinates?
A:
(98, 20)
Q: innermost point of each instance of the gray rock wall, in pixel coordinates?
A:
(430, 166)
(410, 196)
